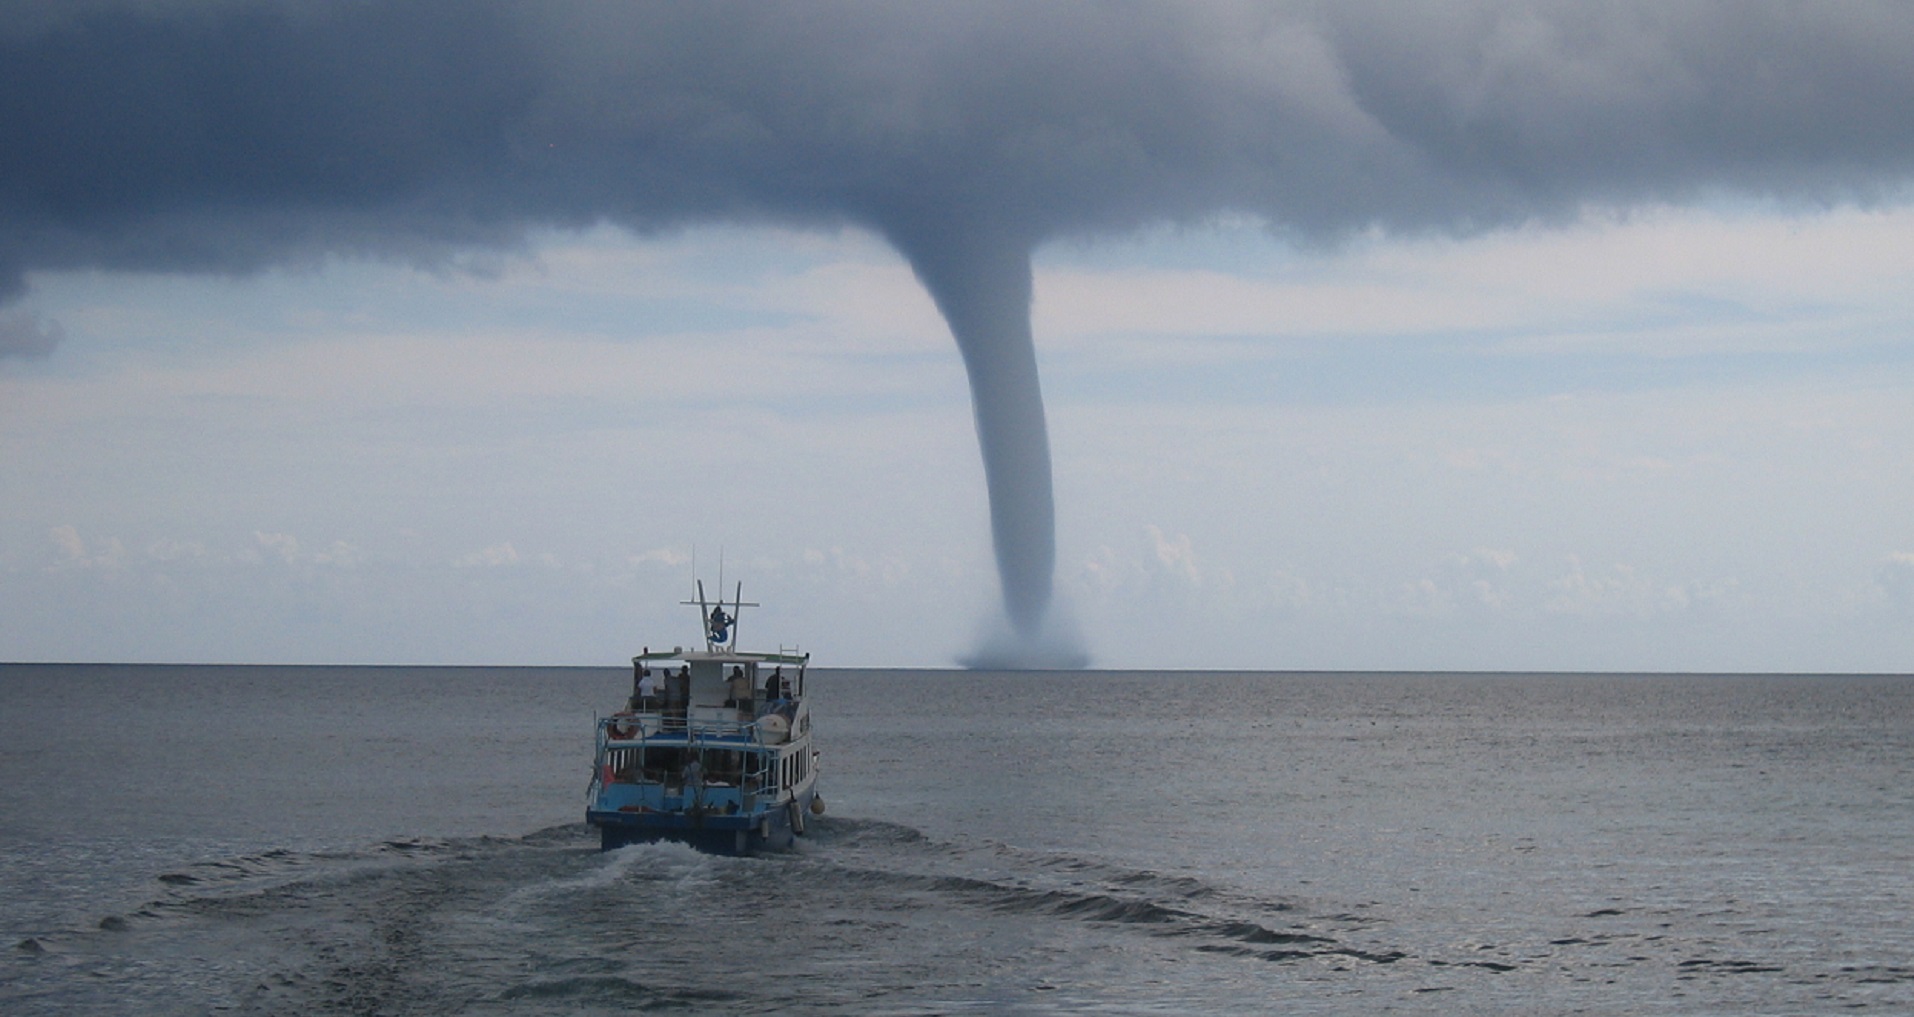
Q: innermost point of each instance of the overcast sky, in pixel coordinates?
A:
(1471, 337)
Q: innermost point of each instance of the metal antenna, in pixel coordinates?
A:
(704, 612)
(706, 609)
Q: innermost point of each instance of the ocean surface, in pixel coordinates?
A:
(272, 840)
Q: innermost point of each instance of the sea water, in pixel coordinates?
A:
(409, 841)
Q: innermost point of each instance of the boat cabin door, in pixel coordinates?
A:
(710, 680)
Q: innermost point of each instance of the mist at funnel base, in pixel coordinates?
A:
(1055, 646)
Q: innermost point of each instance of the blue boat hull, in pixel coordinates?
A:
(713, 833)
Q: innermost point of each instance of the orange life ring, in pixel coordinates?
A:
(620, 732)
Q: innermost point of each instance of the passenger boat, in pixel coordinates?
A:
(712, 749)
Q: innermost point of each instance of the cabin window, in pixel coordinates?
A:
(664, 764)
(724, 766)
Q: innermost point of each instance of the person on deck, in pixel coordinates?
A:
(678, 694)
(693, 781)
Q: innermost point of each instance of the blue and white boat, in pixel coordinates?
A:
(712, 749)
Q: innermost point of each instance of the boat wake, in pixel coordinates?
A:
(866, 916)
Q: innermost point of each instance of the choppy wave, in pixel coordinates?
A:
(868, 917)
(1409, 844)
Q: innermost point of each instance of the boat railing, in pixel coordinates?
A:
(750, 779)
(637, 728)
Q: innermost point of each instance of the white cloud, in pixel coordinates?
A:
(1175, 557)
(1501, 559)
(1620, 589)
(168, 549)
(488, 557)
(1472, 583)
(1156, 580)
(67, 539)
(104, 553)
(667, 557)
(1896, 576)
(283, 546)
(339, 554)
(1660, 283)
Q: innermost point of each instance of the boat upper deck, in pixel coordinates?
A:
(713, 696)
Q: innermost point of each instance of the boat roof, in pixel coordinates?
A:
(724, 656)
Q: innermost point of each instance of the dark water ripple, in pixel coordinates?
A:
(1359, 844)
(870, 917)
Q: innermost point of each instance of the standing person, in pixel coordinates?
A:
(738, 690)
(647, 690)
(678, 694)
(693, 780)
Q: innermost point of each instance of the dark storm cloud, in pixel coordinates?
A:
(225, 136)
